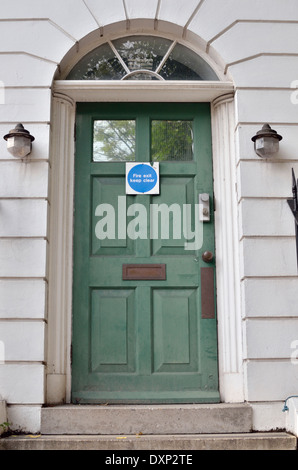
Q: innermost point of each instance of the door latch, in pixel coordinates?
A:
(204, 207)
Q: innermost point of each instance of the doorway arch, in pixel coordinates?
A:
(66, 93)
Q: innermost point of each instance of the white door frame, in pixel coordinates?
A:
(65, 95)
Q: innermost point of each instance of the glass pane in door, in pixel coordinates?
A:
(114, 140)
(171, 140)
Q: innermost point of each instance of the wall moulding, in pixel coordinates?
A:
(134, 91)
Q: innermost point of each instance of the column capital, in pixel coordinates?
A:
(223, 99)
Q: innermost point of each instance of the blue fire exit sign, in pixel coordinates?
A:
(142, 178)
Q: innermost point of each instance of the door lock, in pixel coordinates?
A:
(204, 207)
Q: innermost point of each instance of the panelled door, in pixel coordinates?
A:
(144, 320)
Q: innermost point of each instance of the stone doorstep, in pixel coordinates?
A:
(146, 419)
(188, 443)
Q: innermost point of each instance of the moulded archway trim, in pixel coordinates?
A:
(140, 27)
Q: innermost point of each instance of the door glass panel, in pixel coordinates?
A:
(114, 140)
(171, 140)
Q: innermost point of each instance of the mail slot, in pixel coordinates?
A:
(144, 272)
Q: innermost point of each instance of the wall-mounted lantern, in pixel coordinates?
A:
(19, 141)
(266, 141)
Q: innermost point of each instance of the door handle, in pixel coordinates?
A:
(207, 256)
(204, 207)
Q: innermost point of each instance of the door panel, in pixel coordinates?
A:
(167, 232)
(142, 340)
(175, 335)
(112, 330)
(106, 213)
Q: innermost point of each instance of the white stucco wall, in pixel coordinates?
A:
(255, 44)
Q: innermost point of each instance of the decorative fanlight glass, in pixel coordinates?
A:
(142, 58)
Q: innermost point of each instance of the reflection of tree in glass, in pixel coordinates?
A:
(174, 70)
(171, 140)
(141, 52)
(103, 70)
(136, 57)
(99, 64)
(114, 140)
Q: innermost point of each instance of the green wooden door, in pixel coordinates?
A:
(142, 335)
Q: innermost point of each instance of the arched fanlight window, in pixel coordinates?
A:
(142, 58)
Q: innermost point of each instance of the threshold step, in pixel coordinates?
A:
(245, 441)
(146, 419)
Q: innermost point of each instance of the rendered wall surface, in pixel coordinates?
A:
(255, 44)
